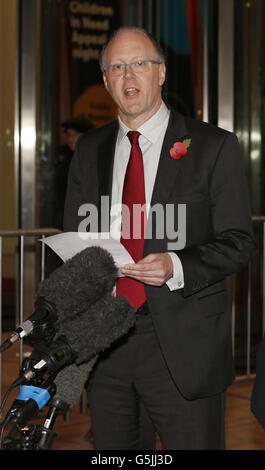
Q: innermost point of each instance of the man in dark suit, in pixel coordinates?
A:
(177, 360)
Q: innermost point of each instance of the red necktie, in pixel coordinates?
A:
(133, 220)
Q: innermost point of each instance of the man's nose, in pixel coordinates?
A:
(128, 71)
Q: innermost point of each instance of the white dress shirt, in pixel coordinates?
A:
(150, 141)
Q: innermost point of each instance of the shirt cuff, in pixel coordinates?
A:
(177, 280)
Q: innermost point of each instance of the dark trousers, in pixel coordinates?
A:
(133, 372)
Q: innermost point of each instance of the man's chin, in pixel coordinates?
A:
(132, 109)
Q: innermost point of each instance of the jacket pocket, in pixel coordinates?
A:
(213, 303)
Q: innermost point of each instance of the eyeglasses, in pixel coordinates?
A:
(139, 66)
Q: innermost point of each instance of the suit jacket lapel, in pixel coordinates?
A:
(169, 167)
(105, 162)
(105, 170)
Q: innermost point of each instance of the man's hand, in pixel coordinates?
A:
(155, 269)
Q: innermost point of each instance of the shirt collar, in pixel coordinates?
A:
(149, 129)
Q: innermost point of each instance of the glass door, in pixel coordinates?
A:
(187, 30)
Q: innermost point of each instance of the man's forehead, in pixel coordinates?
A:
(129, 42)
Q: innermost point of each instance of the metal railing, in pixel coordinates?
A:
(247, 307)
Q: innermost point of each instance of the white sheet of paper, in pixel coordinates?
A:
(68, 244)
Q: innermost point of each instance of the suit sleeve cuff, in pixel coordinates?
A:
(177, 280)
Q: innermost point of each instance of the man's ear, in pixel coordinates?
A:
(105, 81)
(162, 74)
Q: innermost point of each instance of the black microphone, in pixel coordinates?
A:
(47, 358)
(44, 312)
(28, 403)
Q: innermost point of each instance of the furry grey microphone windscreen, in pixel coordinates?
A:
(71, 380)
(80, 281)
(89, 315)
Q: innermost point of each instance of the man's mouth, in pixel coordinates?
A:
(132, 91)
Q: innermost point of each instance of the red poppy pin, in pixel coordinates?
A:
(180, 148)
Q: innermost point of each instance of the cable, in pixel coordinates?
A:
(6, 422)
(1, 409)
(6, 397)
(12, 386)
(2, 435)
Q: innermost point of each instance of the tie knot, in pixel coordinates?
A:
(133, 136)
